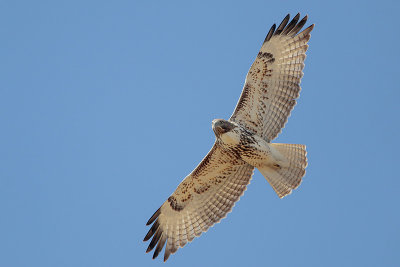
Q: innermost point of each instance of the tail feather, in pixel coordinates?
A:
(284, 179)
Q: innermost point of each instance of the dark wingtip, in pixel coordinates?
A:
(152, 230)
(166, 254)
(282, 25)
(154, 216)
(160, 245)
(147, 237)
(155, 240)
(287, 17)
(286, 27)
(291, 24)
(270, 33)
(296, 17)
(308, 29)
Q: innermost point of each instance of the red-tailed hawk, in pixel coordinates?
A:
(242, 143)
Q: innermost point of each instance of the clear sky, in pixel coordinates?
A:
(105, 106)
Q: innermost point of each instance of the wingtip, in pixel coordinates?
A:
(282, 26)
(152, 231)
(155, 254)
(160, 245)
(287, 17)
(309, 29)
(270, 33)
(154, 216)
(273, 28)
(149, 249)
(167, 253)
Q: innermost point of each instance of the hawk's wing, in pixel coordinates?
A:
(202, 199)
(273, 82)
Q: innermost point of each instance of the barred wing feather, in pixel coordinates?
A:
(273, 82)
(202, 199)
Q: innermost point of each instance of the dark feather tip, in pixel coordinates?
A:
(300, 25)
(159, 246)
(155, 215)
(154, 241)
(292, 24)
(152, 230)
(166, 254)
(270, 33)
(282, 25)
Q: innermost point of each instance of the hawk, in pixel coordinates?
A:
(242, 143)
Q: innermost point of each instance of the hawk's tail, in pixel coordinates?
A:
(284, 179)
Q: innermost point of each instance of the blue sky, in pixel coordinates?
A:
(106, 106)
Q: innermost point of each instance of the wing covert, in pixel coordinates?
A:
(273, 82)
(202, 199)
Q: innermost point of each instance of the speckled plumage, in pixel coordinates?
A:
(242, 143)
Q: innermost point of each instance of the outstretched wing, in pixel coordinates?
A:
(202, 199)
(273, 82)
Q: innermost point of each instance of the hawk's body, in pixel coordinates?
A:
(242, 143)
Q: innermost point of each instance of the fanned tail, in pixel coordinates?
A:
(284, 179)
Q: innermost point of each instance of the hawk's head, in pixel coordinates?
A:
(221, 126)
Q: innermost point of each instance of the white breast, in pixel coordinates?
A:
(230, 138)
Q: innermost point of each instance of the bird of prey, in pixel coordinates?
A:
(242, 143)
